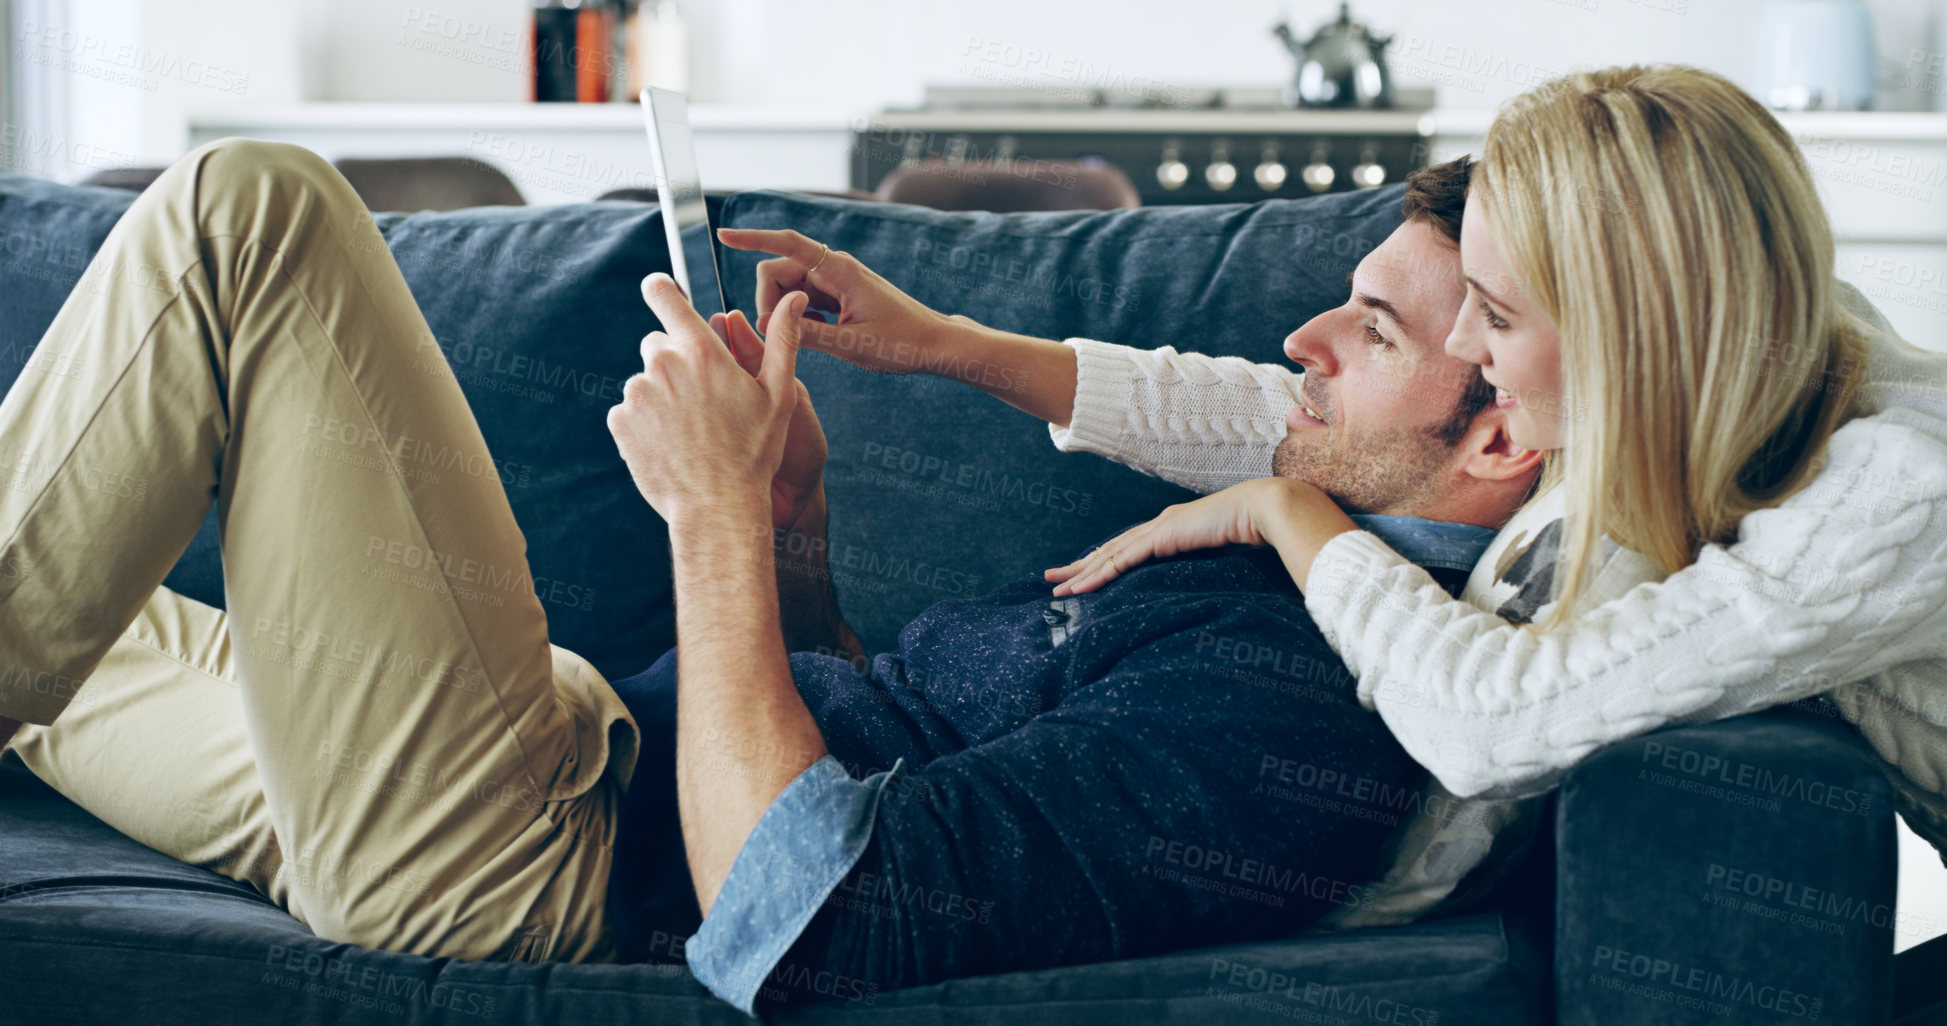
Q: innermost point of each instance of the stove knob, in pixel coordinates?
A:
(1367, 174)
(1270, 174)
(1172, 173)
(1221, 174)
(1318, 175)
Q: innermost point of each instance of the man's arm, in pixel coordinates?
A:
(807, 601)
(807, 597)
(705, 440)
(7, 729)
(742, 732)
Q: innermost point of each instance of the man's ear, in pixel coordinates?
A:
(1490, 455)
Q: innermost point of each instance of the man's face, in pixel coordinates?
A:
(1378, 382)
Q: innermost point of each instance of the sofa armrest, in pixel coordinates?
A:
(1738, 871)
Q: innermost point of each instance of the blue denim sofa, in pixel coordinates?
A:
(1618, 912)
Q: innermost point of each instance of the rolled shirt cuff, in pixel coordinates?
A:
(796, 855)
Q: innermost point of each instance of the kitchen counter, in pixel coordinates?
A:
(1441, 121)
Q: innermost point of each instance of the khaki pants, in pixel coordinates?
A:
(377, 734)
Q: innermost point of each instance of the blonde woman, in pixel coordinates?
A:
(1650, 286)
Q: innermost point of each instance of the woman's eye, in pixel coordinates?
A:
(1492, 321)
(1374, 337)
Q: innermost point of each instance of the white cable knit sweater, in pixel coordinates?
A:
(1841, 590)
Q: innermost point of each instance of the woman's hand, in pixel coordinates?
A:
(1293, 516)
(879, 328)
(882, 329)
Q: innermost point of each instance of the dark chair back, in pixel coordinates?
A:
(633, 195)
(428, 183)
(134, 179)
(1010, 186)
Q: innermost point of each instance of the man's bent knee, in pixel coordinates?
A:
(235, 161)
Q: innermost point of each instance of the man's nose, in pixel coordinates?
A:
(1311, 346)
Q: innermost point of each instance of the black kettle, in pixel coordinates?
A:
(1343, 65)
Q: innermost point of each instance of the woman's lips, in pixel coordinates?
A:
(1503, 398)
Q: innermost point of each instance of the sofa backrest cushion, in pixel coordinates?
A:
(539, 312)
(937, 491)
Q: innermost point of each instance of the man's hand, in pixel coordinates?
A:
(802, 470)
(696, 431)
(807, 601)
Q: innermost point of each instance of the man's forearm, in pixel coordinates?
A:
(742, 731)
(1034, 375)
(807, 598)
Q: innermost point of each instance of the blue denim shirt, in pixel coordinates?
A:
(818, 826)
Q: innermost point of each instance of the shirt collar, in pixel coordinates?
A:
(1437, 544)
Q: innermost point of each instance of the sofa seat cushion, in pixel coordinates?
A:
(95, 928)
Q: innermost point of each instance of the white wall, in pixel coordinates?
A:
(132, 67)
(872, 52)
(868, 53)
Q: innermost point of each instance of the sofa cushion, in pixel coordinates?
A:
(938, 491)
(95, 928)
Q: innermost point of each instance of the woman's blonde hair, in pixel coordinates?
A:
(1669, 226)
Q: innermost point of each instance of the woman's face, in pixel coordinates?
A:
(1516, 345)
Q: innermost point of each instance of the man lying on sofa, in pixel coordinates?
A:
(1028, 782)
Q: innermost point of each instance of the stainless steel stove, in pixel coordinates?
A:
(1218, 145)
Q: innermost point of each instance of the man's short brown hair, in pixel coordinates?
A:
(1436, 196)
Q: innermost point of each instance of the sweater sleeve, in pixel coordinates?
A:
(1203, 422)
(1842, 581)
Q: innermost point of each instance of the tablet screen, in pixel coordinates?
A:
(679, 189)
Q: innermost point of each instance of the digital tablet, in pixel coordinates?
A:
(679, 191)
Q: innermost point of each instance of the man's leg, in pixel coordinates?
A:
(244, 336)
(155, 746)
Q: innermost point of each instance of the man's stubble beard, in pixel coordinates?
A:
(1396, 473)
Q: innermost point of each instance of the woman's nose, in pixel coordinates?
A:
(1463, 344)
